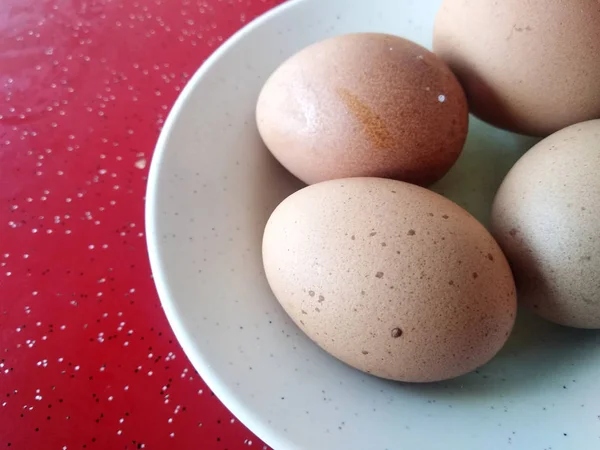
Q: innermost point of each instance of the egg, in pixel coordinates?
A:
(545, 217)
(390, 278)
(364, 104)
(527, 66)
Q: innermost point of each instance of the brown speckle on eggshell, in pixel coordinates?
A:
(419, 313)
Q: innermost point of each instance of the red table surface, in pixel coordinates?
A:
(87, 358)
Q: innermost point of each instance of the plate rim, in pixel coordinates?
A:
(223, 392)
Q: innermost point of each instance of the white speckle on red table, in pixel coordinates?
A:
(86, 87)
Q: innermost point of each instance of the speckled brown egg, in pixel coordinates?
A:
(546, 218)
(364, 105)
(530, 67)
(390, 278)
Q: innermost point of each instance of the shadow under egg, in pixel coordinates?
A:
(488, 155)
(537, 356)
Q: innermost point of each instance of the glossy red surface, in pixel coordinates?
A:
(87, 358)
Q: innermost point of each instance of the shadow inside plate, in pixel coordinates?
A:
(488, 155)
(537, 355)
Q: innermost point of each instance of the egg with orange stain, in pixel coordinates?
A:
(364, 104)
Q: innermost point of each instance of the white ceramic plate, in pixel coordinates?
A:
(212, 187)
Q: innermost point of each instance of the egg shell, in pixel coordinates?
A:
(526, 66)
(546, 218)
(390, 278)
(364, 104)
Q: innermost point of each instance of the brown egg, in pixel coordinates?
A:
(390, 278)
(364, 105)
(526, 66)
(546, 218)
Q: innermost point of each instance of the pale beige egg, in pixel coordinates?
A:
(546, 219)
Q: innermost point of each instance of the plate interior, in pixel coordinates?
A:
(212, 187)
